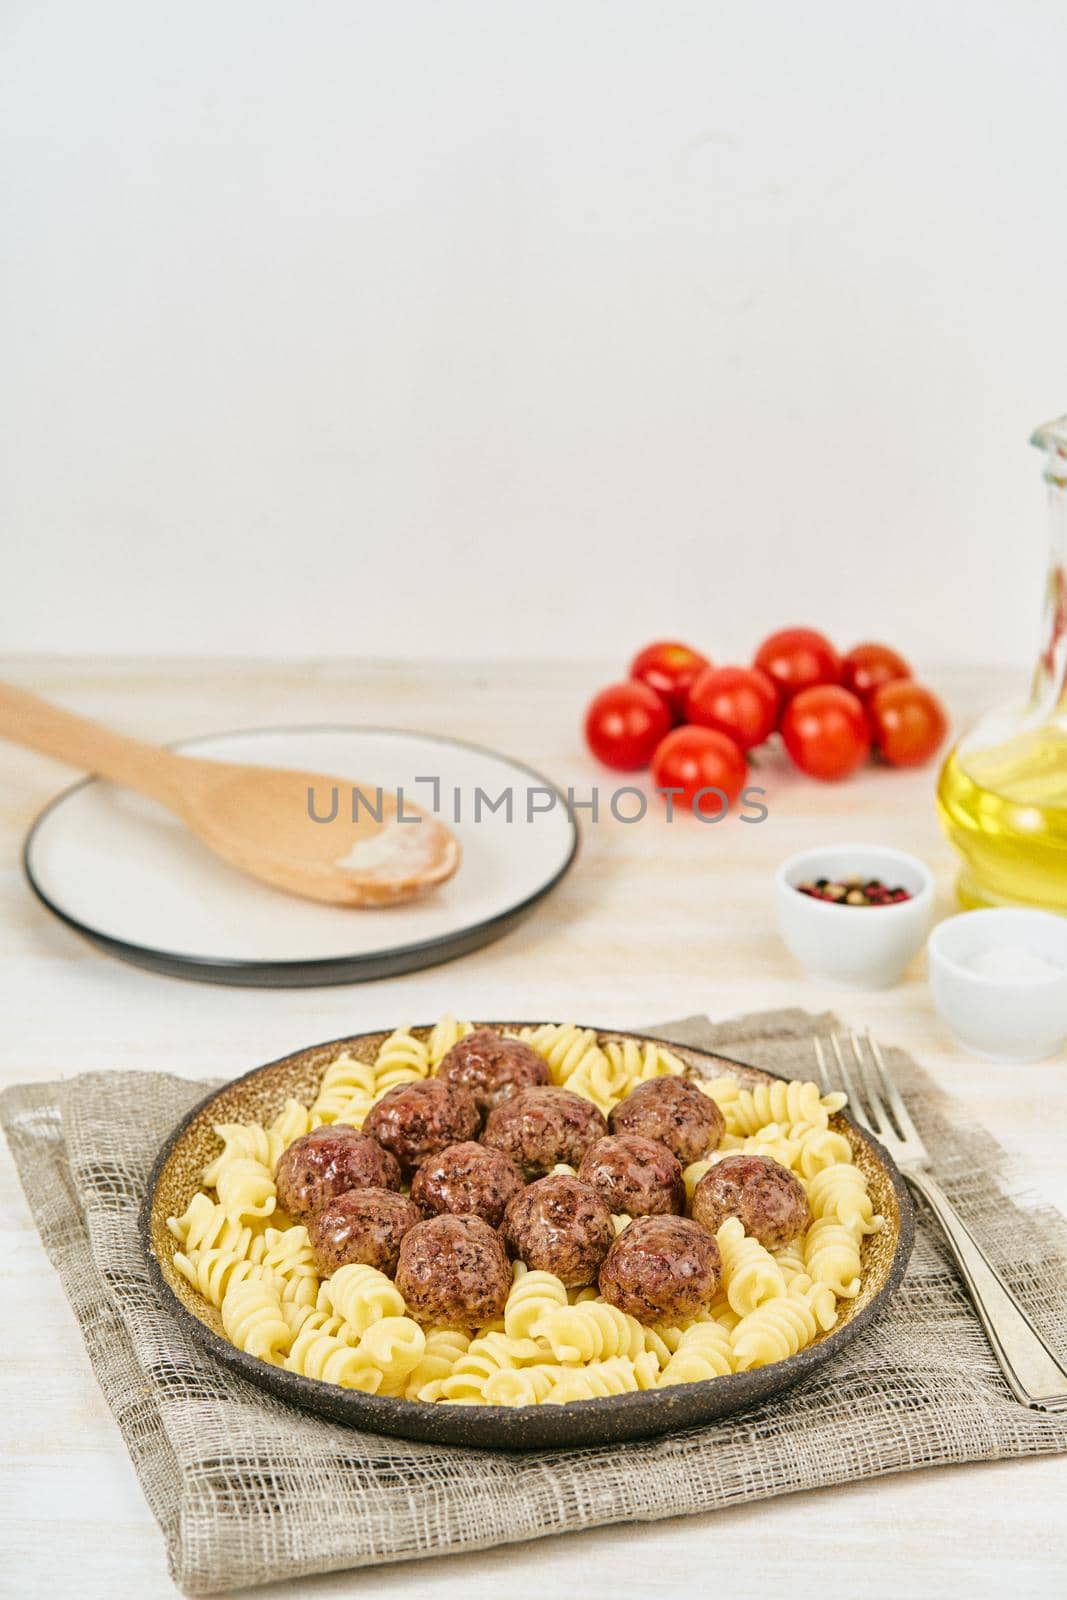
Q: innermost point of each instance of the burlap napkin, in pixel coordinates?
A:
(247, 1490)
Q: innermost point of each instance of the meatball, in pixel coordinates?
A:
(454, 1270)
(469, 1180)
(560, 1225)
(329, 1161)
(492, 1067)
(769, 1199)
(543, 1126)
(416, 1120)
(365, 1226)
(635, 1175)
(674, 1111)
(661, 1267)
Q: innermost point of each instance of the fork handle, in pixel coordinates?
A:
(1034, 1375)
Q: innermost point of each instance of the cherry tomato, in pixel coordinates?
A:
(826, 731)
(741, 702)
(669, 668)
(624, 725)
(866, 667)
(908, 722)
(798, 658)
(692, 759)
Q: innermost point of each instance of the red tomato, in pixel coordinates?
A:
(866, 667)
(624, 725)
(826, 731)
(692, 759)
(798, 658)
(669, 668)
(909, 723)
(741, 702)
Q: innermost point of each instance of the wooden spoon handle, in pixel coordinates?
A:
(85, 744)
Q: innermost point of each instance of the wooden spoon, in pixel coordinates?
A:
(258, 818)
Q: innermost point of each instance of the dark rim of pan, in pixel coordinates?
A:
(319, 969)
(307, 1393)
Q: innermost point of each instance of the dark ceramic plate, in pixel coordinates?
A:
(260, 1094)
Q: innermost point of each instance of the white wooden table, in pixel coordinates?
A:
(654, 921)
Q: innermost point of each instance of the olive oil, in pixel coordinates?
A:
(1005, 810)
(1002, 796)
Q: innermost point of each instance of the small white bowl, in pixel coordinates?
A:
(854, 947)
(1009, 1018)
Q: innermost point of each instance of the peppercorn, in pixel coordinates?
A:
(854, 892)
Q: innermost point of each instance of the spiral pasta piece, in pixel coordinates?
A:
(750, 1273)
(288, 1253)
(832, 1256)
(722, 1312)
(345, 1081)
(519, 1386)
(293, 1121)
(212, 1272)
(444, 1346)
(724, 1090)
(840, 1191)
(205, 1225)
(590, 1331)
(668, 1335)
(393, 1347)
(445, 1033)
(819, 1297)
(401, 1059)
(617, 1375)
(489, 1353)
(775, 1142)
(319, 1352)
(819, 1148)
(704, 1351)
(253, 1320)
(636, 1063)
(241, 1140)
(532, 1296)
(773, 1332)
(566, 1048)
(362, 1296)
(245, 1188)
(788, 1103)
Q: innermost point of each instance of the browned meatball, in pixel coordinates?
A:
(364, 1225)
(769, 1199)
(661, 1267)
(560, 1225)
(415, 1120)
(674, 1111)
(469, 1180)
(492, 1067)
(540, 1127)
(635, 1175)
(327, 1162)
(454, 1270)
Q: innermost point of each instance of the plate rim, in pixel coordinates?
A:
(309, 1395)
(315, 969)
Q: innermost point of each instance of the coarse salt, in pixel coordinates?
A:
(1011, 961)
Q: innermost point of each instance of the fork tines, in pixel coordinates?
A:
(874, 1100)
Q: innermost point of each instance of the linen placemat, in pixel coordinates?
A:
(248, 1490)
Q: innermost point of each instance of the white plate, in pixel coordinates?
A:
(131, 878)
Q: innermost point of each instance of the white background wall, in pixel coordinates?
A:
(412, 328)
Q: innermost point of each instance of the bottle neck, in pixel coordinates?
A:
(1050, 675)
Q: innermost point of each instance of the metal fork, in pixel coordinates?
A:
(1034, 1374)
